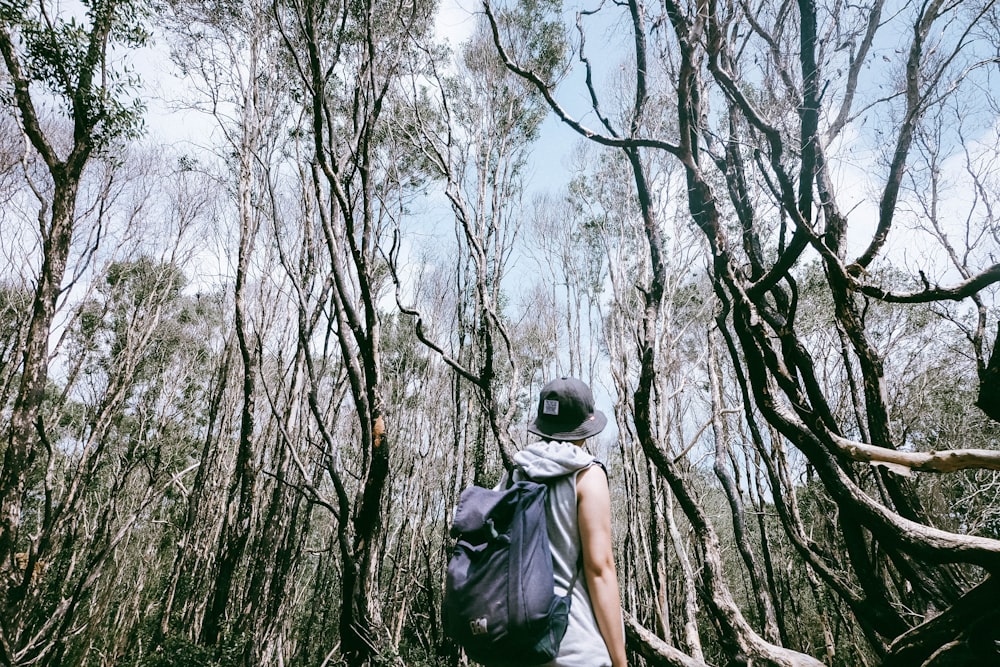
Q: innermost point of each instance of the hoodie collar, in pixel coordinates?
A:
(550, 458)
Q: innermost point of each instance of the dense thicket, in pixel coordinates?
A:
(244, 378)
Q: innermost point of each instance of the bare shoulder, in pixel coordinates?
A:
(592, 481)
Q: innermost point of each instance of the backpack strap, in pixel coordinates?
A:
(519, 471)
(576, 575)
(508, 477)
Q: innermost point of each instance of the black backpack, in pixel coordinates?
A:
(500, 603)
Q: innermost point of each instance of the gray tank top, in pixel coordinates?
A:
(583, 645)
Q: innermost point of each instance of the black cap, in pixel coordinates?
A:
(566, 411)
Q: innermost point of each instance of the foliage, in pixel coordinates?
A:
(60, 55)
(180, 652)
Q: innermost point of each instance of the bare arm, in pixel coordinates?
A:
(594, 515)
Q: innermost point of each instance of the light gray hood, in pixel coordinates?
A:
(547, 459)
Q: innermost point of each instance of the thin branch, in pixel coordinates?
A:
(962, 290)
(546, 92)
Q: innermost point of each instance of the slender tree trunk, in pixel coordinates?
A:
(760, 594)
(235, 534)
(25, 430)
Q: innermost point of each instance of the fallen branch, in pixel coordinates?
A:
(653, 648)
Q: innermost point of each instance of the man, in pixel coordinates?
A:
(579, 522)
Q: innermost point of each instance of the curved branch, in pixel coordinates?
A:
(654, 649)
(962, 290)
(857, 60)
(546, 91)
(976, 608)
(419, 327)
(589, 77)
(915, 104)
(25, 105)
(950, 460)
(911, 536)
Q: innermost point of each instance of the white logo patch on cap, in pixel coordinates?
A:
(550, 407)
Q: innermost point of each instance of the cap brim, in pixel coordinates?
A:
(591, 427)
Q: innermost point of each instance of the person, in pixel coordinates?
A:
(578, 512)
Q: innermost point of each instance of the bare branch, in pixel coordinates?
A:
(962, 290)
(546, 92)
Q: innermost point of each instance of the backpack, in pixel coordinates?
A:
(500, 603)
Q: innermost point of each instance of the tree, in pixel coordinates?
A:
(475, 138)
(756, 132)
(346, 58)
(234, 53)
(44, 51)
